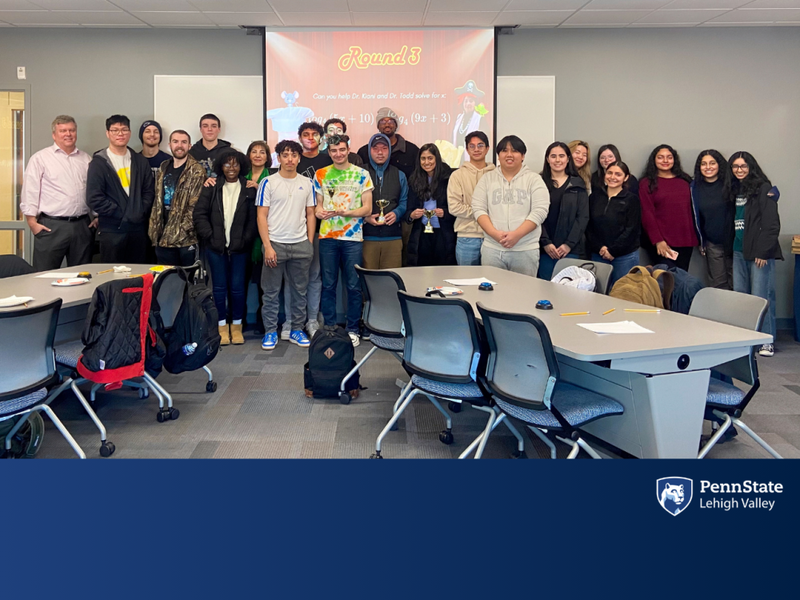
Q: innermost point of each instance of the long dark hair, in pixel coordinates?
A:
(724, 172)
(547, 172)
(651, 171)
(624, 168)
(599, 176)
(419, 178)
(750, 185)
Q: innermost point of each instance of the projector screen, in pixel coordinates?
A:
(439, 82)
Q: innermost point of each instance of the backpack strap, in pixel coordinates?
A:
(668, 279)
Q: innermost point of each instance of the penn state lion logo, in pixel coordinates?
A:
(674, 494)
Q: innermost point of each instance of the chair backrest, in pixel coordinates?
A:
(382, 313)
(737, 309)
(27, 358)
(12, 265)
(442, 340)
(602, 271)
(522, 367)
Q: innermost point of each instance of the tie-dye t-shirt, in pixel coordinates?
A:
(348, 185)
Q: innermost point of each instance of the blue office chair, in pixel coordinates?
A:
(381, 316)
(522, 375)
(29, 369)
(725, 402)
(442, 353)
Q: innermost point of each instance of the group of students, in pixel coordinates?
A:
(324, 209)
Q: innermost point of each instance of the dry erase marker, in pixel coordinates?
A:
(610, 310)
(653, 310)
(575, 314)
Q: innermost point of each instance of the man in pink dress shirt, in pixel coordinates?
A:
(54, 200)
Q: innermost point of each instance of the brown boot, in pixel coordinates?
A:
(225, 335)
(236, 334)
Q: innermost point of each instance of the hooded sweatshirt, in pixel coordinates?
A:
(390, 184)
(459, 198)
(207, 157)
(510, 203)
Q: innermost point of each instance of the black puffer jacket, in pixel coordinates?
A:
(209, 219)
(762, 225)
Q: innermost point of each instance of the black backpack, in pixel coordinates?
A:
(28, 439)
(195, 323)
(331, 356)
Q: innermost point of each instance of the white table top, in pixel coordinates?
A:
(674, 333)
(43, 291)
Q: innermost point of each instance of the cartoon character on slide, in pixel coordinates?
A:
(470, 117)
(286, 120)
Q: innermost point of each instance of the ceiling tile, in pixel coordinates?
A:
(73, 4)
(252, 6)
(472, 5)
(721, 4)
(729, 24)
(660, 25)
(244, 18)
(18, 5)
(154, 5)
(357, 6)
(326, 6)
(773, 4)
(545, 4)
(388, 19)
(97, 18)
(626, 4)
(54, 25)
(606, 17)
(174, 18)
(532, 17)
(316, 19)
(760, 15)
(455, 19)
(690, 17)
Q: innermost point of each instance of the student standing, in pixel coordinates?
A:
(150, 135)
(510, 205)
(404, 153)
(428, 191)
(225, 221)
(667, 209)
(53, 200)
(344, 197)
(469, 236)
(713, 212)
(287, 227)
(615, 222)
(179, 182)
(582, 161)
(607, 154)
(568, 215)
(120, 189)
(755, 243)
(339, 127)
(383, 243)
(207, 150)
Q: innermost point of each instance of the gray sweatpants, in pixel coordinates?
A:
(518, 261)
(294, 263)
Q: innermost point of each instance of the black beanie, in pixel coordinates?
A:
(147, 124)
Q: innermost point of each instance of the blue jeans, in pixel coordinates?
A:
(547, 264)
(749, 279)
(468, 250)
(228, 273)
(332, 255)
(622, 265)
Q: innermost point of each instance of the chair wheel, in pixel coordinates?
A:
(446, 437)
(107, 449)
(376, 455)
(454, 407)
(345, 398)
(174, 413)
(211, 387)
(144, 392)
(161, 416)
(518, 454)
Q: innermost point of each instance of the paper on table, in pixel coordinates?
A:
(56, 275)
(616, 327)
(475, 281)
(14, 301)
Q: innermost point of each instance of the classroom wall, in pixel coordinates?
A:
(726, 88)
(94, 73)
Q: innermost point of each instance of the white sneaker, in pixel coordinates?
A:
(312, 327)
(354, 338)
(286, 332)
(767, 350)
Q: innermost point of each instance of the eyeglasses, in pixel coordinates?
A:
(476, 146)
(119, 131)
(740, 168)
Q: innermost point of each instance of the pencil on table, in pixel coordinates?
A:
(610, 310)
(106, 271)
(646, 310)
(575, 314)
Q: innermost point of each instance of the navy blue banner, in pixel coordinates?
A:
(365, 529)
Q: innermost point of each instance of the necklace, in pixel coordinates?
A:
(462, 129)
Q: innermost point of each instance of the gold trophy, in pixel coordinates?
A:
(429, 226)
(329, 205)
(381, 204)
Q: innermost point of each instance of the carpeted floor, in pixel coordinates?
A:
(260, 411)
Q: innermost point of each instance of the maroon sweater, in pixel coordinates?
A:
(667, 212)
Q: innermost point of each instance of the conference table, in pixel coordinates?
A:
(661, 378)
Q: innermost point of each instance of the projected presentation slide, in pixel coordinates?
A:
(440, 83)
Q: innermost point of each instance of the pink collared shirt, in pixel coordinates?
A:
(55, 183)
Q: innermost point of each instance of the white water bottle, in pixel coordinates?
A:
(189, 349)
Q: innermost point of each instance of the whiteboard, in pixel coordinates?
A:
(180, 101)
(526, 107)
